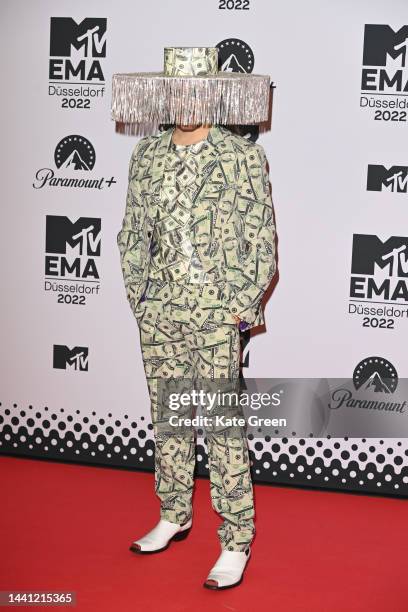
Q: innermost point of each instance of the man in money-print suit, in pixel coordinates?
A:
(197, 248)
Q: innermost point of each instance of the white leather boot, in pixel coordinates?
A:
(228, 570)
(160, 536)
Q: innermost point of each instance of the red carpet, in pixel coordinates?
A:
(68, 527)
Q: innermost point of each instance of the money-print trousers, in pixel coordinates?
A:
(186, 332)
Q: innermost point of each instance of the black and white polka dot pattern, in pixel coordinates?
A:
(368, 465)
(42, 432)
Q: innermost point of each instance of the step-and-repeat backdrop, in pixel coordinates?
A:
(73, 385)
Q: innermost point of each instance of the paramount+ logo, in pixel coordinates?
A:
(375, 381)
(74, 158)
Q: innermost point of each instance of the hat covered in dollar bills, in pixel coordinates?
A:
(190, 90)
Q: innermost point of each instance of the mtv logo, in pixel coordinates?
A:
(85, 39)
(370, 254)
(74, 359)
(81, 237)
(384, 47)
(394, 179)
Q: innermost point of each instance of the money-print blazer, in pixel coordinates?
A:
(232, 198)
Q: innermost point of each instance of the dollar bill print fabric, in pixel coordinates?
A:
(184, 344)
(190, 61)
(234, 232)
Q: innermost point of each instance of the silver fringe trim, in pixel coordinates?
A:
(229, 98)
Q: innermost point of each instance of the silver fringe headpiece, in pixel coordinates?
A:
(190, 91)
